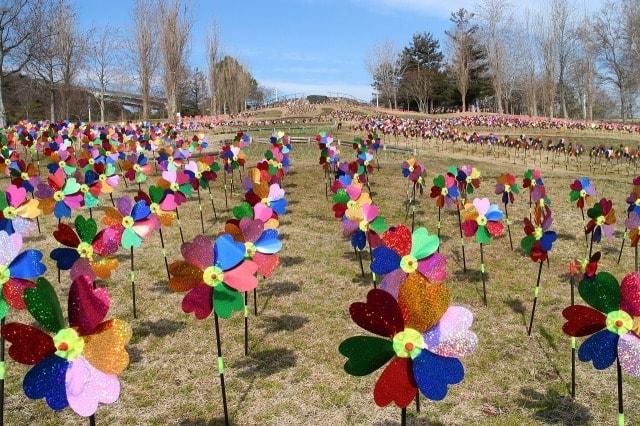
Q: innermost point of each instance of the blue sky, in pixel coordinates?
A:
(300, 46)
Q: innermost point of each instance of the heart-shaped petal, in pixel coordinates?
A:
(396, 384)
(434, 373)
(380, 314)
(87, 387)
(199, 301)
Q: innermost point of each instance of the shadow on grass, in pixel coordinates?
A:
(266, 363)
(287, 261)
(551, 407)
(274, 324)
(566, 236)
(135, 355)
(472, 275)
(548, 337)
(518, 308)
(159, 328)
(362, 281)
(284, 288)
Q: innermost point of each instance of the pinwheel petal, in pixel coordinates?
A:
(601, 292)
(482, 205)
(266, 263)
(601, 349)
(10, 246)
(268, 242)
(87, 306)
(105, 347)
(395, 384)
(227, 252)
(422, 303)
(469, 228)
(199, 301)
(46, 379)
(251, 229)
(279, 206)
(140, 211)
(629, 354)
(630, 294)
(385, 260)
(226, 301)
(65, 257)
(262, 212)
(434, 268)
(398, 239)
(87, 386)
(242, 277)
(423, 244)
(392, 281)
(29, 345)
(130, 239)
(434, 374)
(365, 354)
(451, 336)
(380, 314)
(13, 292)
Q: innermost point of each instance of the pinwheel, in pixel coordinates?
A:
(445, 192)
(86, 251)
(537, 244)
(633, 201)
(175, 183)
(421, 335)
(131, 222)
(360, 222)
(24, 175)
(245, 209)
(137, 168)
(16, 272)
(63, 158)
(17, 212)
(533, 181)
(242, 139)
(201, 174)
(484, 221)
(79, 366)
(7, 158)
(633, 225)
(609, 323)
(214, 277)
(412, 169)
(468, 178)
(268, 198)
(198, 144)
(506, 186)
(403, 254)
(602, 218)
(581, 192)
(102, 179)
(262, 247)
(60, 196)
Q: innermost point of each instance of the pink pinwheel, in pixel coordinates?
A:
(482, 220)
(60, 196)
(17, 212)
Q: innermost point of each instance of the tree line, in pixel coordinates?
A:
(557, 61)
(51, 67)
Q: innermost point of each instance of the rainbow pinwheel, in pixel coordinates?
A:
(633, 225)
(444, 190)
(245, 210)
(581, 191)
(421, 335)
(262, 245)
(176, 183)
(351, 196)
(468, 178)
(533, 181)
(539, 237)
(412, 169)
(242, 139)
(360, 221)
(403, 254)
(16, 270)
(634, 197)
(131, 221)
(24, 175)
(60, 196)
(137, 168)
(506, 187)
(213, 275)
(86, 251)
(267, 199)
(602, 218)
(17, 212)
(482, 220)
(200, 173)
(79, 366)
(102, 179)
(610, 321)
(198, 144)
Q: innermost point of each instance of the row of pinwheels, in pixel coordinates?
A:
(419, 335)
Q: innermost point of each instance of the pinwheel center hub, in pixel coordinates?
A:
(155, 208)
(600, 220)
(5, 274)
(92, 161)
(444, 192)
(507, 188)
(85, 250)
(102, 178)
(411, 169)
(62, 164)
(58, 196)
(481, 220)
(213, 276)
(84, 188)
(266, 201)
(127, 222)
(68, 343)
(583, 193)
(468, 179)
(7, 162)
(250, 249)
(136, 167)
(9, 213)
(235, 158)
(533, 183)
(409, 264)
(363, 225)
(351, 204)
(198, 175)
(619, 322)
(537, 232)
(408, 343)
(174, 187)
(24, 176)
(637, 202)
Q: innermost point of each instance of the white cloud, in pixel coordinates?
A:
(359, 91)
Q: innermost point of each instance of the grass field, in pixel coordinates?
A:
(294, 373)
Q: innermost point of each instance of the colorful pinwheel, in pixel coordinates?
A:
(482, 220)
(444, 190)
(609, 321)
(468, 178)
(86, 251)
(602, 218)
(17, 212)
(581, 192)
(421, 335)
(131, 221)
(60, 196)
(79, 366)
(539, 237)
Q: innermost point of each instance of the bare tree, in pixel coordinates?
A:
(419, 85)
(562, 31)
(462, 43)
(584, 67)
(213, 53)
(145, 40)
(19, 39)
(174, 37)
(615, 52)
(102, 66)
(71, 46)
(385, 69)
(492, 15)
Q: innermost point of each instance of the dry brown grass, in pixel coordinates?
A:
(294, 373)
